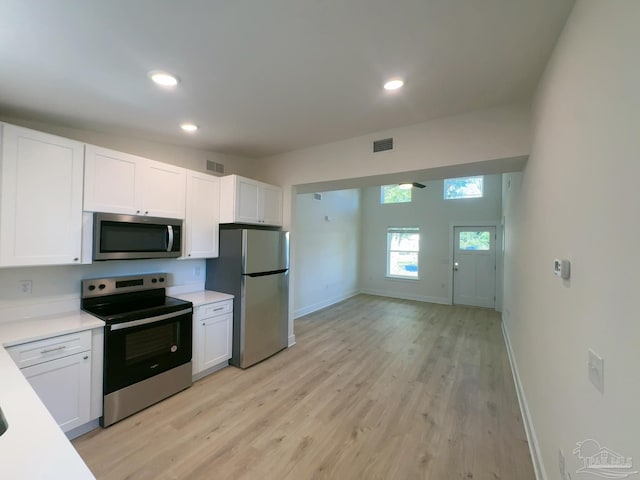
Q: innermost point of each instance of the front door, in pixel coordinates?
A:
(474, 266)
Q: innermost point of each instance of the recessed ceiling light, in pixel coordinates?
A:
(189, 127)
(394, 84)
(163, 79)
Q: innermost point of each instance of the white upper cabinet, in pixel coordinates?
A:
(117, 182)
(201, 222)
(272, 205)
(111, 181)
(40, 199)
(243, 200)
(163, 191)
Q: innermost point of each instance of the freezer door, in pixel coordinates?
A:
(264, 251)
(265, 329)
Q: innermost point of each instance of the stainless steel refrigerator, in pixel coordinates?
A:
(253, 265)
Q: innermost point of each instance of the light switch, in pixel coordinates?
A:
(596, 370)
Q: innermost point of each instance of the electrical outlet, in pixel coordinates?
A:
(196, 271)
(25, 287)
(562, 465)
(596, 370)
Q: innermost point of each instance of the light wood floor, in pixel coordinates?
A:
(375, 388)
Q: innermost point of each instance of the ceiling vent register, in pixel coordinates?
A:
(214, 167)
(383, 145)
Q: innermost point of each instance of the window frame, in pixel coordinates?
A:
(467, 197)
(405, 229)
(382, 188)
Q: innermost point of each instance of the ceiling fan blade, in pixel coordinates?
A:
(418, 185)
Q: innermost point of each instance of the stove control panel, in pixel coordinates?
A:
(95, 287)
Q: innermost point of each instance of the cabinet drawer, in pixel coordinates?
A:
(33, 353)
(214, 309)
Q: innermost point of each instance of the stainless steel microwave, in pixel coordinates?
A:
(128, 237)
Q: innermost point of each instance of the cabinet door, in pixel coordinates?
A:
(271, 205)
(111, 181)
(163, 193)
(201, 223)
(41, 199)
(215, 340)
(247, 206)
(64, 386)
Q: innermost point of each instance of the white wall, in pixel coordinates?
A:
(480, 142)
(327, 250)
(59, 286)
(578, 199)
(434, 215)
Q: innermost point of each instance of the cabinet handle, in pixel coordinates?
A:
(137, 211)
(146, 212)
(75, 259)
(49, 350)
(203, 324)
(189, 255)
(85, 357)
(218, 309)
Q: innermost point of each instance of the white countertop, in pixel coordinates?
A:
(203, 297)
(34, 447)
(31, 329)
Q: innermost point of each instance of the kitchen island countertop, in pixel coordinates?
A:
(34, 447)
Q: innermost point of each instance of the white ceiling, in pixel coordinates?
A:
(263, 77)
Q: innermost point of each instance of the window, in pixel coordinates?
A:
(394, 194)
(403, 246)
(475, 241)
(464, 187)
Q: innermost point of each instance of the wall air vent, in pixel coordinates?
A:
(214, 167)
(317, 196)
(383, 145)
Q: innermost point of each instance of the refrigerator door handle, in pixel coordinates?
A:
(264, 274)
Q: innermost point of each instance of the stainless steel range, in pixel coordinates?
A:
(147, 341)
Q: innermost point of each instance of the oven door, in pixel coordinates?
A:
(139, 349)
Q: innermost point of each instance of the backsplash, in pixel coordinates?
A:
(56, 289)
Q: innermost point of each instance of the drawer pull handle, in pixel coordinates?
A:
(49, 350)
(218, 309)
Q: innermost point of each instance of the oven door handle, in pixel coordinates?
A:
(145, 321)
(170, 238)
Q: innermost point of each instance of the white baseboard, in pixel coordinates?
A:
(292, 341)
(406, 296)
(82, 429)
(301, 312)
(534, 447)
(209, 371)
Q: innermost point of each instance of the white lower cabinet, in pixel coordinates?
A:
(64, 386)
(212, 336)
(59, 370)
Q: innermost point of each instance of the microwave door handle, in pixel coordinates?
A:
(170, 240)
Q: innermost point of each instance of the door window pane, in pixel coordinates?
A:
(475, 240)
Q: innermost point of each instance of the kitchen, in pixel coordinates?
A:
(61, 349)
(265, 103)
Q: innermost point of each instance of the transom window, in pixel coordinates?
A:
(403, 247)
(394, 194)
(464, 187)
